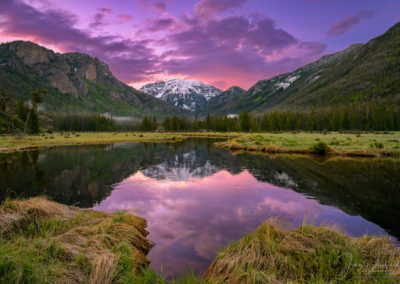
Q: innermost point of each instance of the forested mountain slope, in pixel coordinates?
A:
(360, 73)
(76, 82)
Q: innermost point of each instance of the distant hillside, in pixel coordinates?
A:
(221, 104)
(186, 94)
(360, 73)
(76, 82)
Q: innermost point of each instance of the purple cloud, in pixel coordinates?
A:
(208, 8)
(98, 21)
(106, 10)
(124, 18)
(230, 50)
(340, 27)
(234, 48)
(156, 25)
(158, 5)
(127, 58)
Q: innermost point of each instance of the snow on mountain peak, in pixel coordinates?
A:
(187, 94)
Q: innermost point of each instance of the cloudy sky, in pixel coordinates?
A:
(220, 42)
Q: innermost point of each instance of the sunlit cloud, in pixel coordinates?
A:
(222, 42)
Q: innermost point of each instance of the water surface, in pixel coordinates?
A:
(198, 198)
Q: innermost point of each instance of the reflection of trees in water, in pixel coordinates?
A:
(72, 175)
(84, 175)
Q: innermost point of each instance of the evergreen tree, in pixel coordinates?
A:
(208, 122)
(33, 123)
(22, 110)
(245, 122)
(146, 124)
(167, 124)
(154, 124)
(36, 98)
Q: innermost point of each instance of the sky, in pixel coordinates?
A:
(219, 42)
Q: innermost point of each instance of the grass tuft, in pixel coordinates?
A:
(45, 242)
(307, 254)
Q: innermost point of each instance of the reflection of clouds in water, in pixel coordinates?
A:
(206, 246)
(190, 220)
(285, 180)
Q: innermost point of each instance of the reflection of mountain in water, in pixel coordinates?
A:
(84, 175)
(181, 167)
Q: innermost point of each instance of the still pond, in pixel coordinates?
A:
(198, 198)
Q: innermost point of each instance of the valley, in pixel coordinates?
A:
(206, 141)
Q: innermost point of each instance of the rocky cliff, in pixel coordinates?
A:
(76, 82)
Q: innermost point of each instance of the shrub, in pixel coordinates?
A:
(378, 145)
(319, 148)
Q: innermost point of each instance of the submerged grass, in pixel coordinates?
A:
(307, 254)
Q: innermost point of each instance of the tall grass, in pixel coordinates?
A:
(45, 242)
(307, 254)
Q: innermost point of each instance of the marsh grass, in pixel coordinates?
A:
(369, 144)
(46, 242)
(334, 144)
(307, 254)
(11, 143)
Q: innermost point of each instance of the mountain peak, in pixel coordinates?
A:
(186, 94)
(235, 88)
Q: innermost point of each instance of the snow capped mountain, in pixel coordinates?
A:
(186, 94)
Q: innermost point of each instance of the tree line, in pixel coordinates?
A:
(377, 115)
(83, 122)
(366, 117)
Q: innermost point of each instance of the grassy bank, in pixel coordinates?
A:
(379, 144)
(369, 144)
(46, 242)
(13, 143)
(306, 255)
(9, 143)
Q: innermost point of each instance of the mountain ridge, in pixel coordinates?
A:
(187, 94)
(359, 73)
(76, 82)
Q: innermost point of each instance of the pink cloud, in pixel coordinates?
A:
(208, 8)
(124, 17)
(158, 24)
(340, 27)
(232, 50)
(160, 6)
(106, 10)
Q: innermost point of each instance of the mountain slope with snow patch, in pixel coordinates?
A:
(186, 94)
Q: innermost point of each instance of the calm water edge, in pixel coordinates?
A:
(197, 198)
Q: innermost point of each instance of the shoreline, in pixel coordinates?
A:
(333, 144)
(43, 241)
(9, 144)
(308, 152)
(366, 144)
